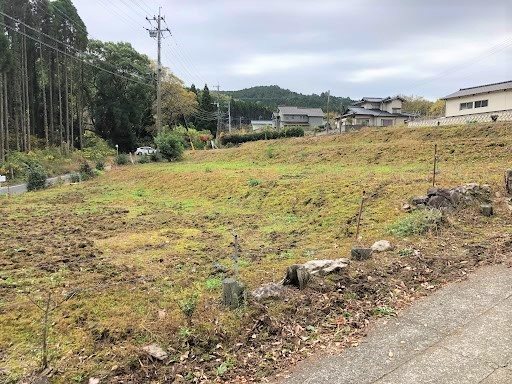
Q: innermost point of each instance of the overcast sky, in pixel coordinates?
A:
(354, 48)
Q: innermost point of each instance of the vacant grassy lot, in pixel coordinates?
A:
(136, 245)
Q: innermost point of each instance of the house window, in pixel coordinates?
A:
(466, 105)
(481, 103)
(387, 122)
(365, 122)
(397, 110)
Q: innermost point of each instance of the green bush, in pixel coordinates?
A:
(74, 177)
(86, 171)
(95, 148)
(170, 145)
(36, 178)
(417, 223)
(122, 159)
(155, 157)
(239, 138)
(144, 159)
(100, 165)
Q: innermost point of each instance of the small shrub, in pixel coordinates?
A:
(254, 182)
(188, 306)
(383, 311)
(86, 171)
(406, 252)
(144, 159)
(122, 159)
(100, 165)
(184, 332)
(156, 157)
(417, 223)
(208, 170)
(36, 178)
(170, 145)
(75, 177)
(213, 283)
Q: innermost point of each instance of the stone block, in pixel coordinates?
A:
(359, 253)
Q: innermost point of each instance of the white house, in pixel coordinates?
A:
(489, 98)
(374, 112)
(294, 116)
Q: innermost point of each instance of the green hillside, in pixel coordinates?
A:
(273, 96)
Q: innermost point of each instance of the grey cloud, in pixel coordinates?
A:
(353, 48)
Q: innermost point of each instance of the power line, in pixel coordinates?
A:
(74, 57)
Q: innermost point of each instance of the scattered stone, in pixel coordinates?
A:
(486, 210)
(233, 293)
(93, 380)
(219, 268)
(360, 254)
(325, 267)
(441, 198)
(155, 352)
(266, 291)
(406, 207)
(419, 200)
(298, 276)
(382, 246)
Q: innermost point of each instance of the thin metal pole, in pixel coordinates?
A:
(159, 75)
(435, 166)
(359, 215)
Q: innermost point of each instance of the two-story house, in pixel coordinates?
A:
(295, 116)
(488, 98)
(374, 112)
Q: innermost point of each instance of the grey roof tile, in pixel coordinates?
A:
(480, 89)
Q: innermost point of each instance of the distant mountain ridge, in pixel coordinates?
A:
(272, 96)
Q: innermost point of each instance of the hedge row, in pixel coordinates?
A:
(237, 138)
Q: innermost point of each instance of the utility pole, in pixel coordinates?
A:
(240, 126)
(217, 135)
(158, 33)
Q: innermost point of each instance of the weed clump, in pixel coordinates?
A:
(36, 178)
(417, 223)
(100, 165)
(122, 159)
(254, 182)
(169, 145)
(74, 177)
(86, 171)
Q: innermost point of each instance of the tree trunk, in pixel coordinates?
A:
(71, 119)
(50, 86)
(61, 125)
(45, 110)
(27, 99)
(2, 137)
(66, 96)
(7, 146)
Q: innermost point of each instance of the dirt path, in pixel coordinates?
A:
(460, 334)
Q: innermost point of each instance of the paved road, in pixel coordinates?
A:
(22, 188)
(461, 334)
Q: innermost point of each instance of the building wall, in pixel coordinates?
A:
(316, 121)
(498, 101)
(392, 104)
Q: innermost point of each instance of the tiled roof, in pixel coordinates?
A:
(311, 112)
(480, 89)
(371, 112)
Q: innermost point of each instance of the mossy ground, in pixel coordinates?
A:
(138, 239)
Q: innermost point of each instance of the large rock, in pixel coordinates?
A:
(233, 293)
(266, 291)
(155, 351)
(297, 276)
(486, 210)
(439, 201)
(382, 246)
(419, 200)
(325, 267)
(361, 254)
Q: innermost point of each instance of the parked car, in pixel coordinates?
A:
(142, 151)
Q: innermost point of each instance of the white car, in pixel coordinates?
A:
(141, 151)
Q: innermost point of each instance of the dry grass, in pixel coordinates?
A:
(139, 239)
